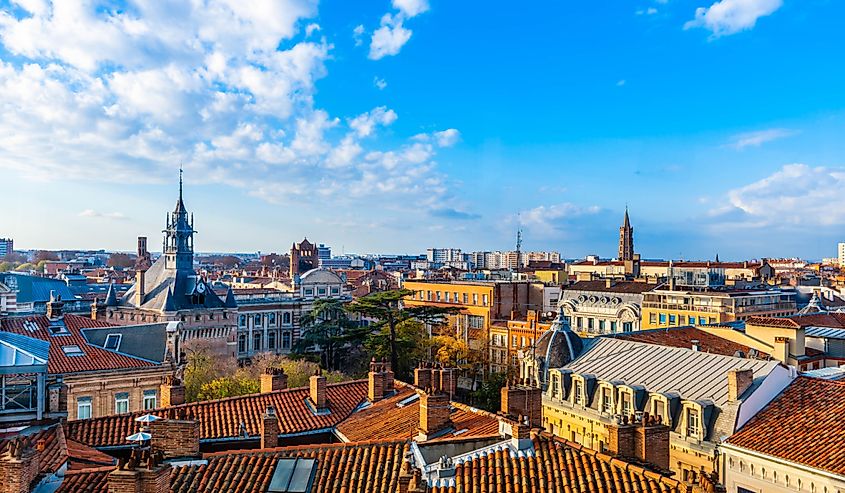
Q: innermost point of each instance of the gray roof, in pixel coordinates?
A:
(146, 341)
(693, 375)
(34, 289)
(825, 332)
(20, 350)
(161, 283)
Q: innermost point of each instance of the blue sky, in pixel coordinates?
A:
(392, 126)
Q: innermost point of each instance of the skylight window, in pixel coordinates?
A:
(293, 476)
(113, 341)
(73, 350)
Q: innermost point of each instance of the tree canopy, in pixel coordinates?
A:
(328, 330)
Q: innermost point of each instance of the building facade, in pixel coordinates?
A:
(604, 306)
(7, 246)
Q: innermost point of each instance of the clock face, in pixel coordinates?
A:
(200, 287)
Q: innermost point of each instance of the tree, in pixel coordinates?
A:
(489, 395)
(328, 328)
(203, 367)
(298, 371)
(229, 386)
(14, 257)
(45, 255)
(6, 266)
(122, 260)
(410, 340)
(25, 267)
(386, 308)
(451, 351)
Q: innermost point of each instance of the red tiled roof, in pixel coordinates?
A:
(803, 424)
(221, 418)
(683, 336)
(558, 466)
(365, 467)
(94, 359)
(384, 420)
(54, 454)
(94, 480)
(836, 320)
(81, 456)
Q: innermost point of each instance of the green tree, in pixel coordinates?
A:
(229, 386)
(25, 267)
(410, 340)
(328, 328)
(7, 266)
(298, 371)
(450, 351)
(386, 307)
(489, 395)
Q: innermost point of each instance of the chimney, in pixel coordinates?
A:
(270, 429)
(521, 434)
(422, 377)
(143, 472)
(695, 346)
(175, 437)
(620, 437)
(608, 283)
(19, 466)
(435, 414)
(447, 381)
(738, 382)
(318, 391)
(781, 350)
(273, 379)
(172, 392)
(522, 400)
(54, 307)
(651, 442)
(380, 380)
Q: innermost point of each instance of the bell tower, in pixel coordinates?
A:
(626, 239)
(179, 232)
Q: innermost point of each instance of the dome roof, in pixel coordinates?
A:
(556, 348)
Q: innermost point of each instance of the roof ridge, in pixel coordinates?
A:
(247, 396)
(313, 446)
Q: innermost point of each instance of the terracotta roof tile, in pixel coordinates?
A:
(95, 480)
(94, 358)
(221, 418)
(810, 410)
(683, 336)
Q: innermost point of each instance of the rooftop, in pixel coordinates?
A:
(683, 337)
(601, 285)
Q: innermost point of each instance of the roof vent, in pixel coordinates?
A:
(695, 346)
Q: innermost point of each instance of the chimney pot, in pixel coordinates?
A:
(318, 391)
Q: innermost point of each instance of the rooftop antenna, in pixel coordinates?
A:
(180, 180)
(518, 240)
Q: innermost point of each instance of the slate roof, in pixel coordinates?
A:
(35, 289)
(94, 358)
(170, 290)
(371, 467)
(682, 337)
(557, 466)
(655, 367)
(221, 418)
(803, 425)
(147, 341)
(387, 420)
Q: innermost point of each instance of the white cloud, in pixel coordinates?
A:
(311, 29)
(411, 8)
(547, 221)
(620, 83)
(98, 94)
(727, 17)
(795, 195)
(389, 39)
(358, 35)
(758, 138)
(103, 215)
(447, 138)
(379, 83)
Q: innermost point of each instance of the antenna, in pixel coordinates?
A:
(180, 180)
(518, 240)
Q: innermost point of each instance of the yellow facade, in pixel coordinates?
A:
(668, 308)
(551, 276)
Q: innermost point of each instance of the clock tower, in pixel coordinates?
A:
(179, 232)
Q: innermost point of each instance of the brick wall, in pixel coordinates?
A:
(621, 439)
(521, 400)
(651, 444)
(435, 413)
(272, 381)
(17, 473)
(422, 377)
(172, 394)
(269, 429)
(176, 438)
(738, 383)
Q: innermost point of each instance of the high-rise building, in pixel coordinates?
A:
(626, 239)
(444, 255)
(7, 246)
(324, 253)
(841, 254)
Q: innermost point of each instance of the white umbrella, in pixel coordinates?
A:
(139, 437)
(147, 418)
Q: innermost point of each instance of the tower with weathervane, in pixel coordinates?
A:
(169, 289)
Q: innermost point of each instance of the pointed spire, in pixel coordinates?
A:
(717, 258)
(167, 305)
(230, 299)
(111, 296)
(180, 205)
(627, 222)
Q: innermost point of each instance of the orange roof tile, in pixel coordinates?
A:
(683, 336)
(221, 418)
(94, 359)
(808, 411)
(93, 480)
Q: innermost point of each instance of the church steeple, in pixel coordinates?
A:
(179, 236)
(626, 239)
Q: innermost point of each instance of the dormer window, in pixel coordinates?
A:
(578, 393)
(113, 342)
(607, 400)
(693, 423)
(626, 404)
(659, 409)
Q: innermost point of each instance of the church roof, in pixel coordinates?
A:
(171, 290)
(111, 297)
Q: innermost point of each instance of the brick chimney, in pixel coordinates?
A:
(422, 377)
(435, 414)
(54, 307)
(143, 472)
(380, 380)
(318, 391)
(738, 382)
(175, 437)
(273, 379)
(651, 442)
(447, 381)
(19, 466)
(172, 392)
(620, 437)
(269, 428)
(521, 434)
(522, 400)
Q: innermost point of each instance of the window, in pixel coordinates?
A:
(271, 340)
(286, 340)
(672, 319)
(83, 408)
(601, 326)
(662, 319)
(692, 320)
(121, 403)
(660, 410)
(740, 489)
(437, 296)
(455, 298)
(613, 326)
(256, 320)
(271, 319)
(466, 298)
(693, 422)
(702, 321)
(578, 392)
(72, 350)
(286, 318)
(321, 291)
(309, 291)
(590, 324)
(150, 400)
(447, 297)
(627, 326)
(197, 318)
(242, 343)
(475, 321)
(335, 290)
(242, 321)
(474, 298)
(256, 341)
(652, 318)
(484, 299)
(626, 404)
(580, 322)
(607, 400)
(113, 342)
